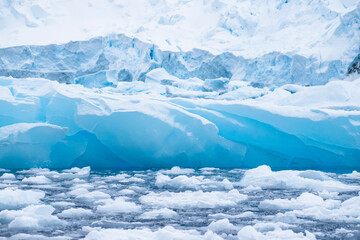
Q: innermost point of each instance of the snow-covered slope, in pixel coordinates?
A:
(327, 30)
(267, 43)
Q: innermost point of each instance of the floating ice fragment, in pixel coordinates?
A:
(250, 233)
(75, 213)
(168, 233)
(193, 182)
(34, 216)
(159, 213)
(177, 171)
(16, 198)
(198, 199)
(317, 181)
(116, 206)
(36, 180)
(222, 225)
(92, 196)
(305, 200)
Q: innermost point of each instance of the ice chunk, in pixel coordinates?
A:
(194, 182)
(167, 232)
(34, 216)
(117, 205)
(36, 180)
(8, 176)
(305, 200)
(75, 213)
(250, 233)
(198, 199)
(317, 181)
(347, 211)
(222, 225)
(218, 84)
(16, 198)
(177, 171)
(159, 213)
(92, 196)
(353, 175)
(23, 236)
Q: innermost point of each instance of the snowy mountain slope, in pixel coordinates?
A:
(266, 43)
(325, 30)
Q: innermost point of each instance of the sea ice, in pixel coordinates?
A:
(167, 232)
(198, 199)
(194, 182)
(312, 180)
(222, 225)
(75, 213)
(31, 217)
(117, 205)
(159, 213)
(16, 198)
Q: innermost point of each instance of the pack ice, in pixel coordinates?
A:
(215, 97)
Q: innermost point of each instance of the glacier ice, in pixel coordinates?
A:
(48, 124)
(105, 61)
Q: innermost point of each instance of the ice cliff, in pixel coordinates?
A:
(45, 123)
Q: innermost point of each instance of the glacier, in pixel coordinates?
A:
(105, 61)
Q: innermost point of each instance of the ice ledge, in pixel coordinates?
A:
(47, 124)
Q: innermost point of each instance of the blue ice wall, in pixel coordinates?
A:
(46, 124)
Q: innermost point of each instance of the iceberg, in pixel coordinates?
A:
(44, 123)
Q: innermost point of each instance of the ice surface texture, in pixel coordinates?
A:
(48, 124)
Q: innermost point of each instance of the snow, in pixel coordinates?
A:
(215, 25)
